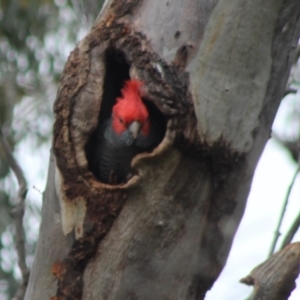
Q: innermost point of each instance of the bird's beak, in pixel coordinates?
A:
(134, 128)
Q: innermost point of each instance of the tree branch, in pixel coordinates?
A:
(277, 233)
(290, 90)
(18, 213)
(291, 232)
(275, 278)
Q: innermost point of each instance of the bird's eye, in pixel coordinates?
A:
(122, 121)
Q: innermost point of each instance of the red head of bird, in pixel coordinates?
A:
(130, 113)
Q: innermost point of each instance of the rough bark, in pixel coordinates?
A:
(275, 278)
(216, 71)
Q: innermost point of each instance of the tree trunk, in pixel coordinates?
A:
(217, 71)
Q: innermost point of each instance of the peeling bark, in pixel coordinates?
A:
(166, 233)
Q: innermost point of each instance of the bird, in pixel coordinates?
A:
(132, 128)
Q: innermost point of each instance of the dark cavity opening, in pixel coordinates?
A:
(116, 74)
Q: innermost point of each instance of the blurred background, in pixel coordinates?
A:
(36, 37)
